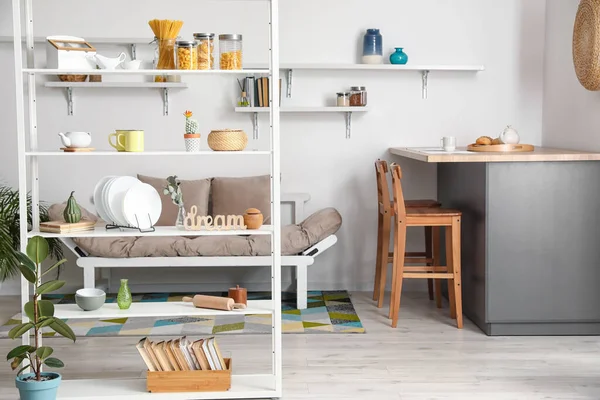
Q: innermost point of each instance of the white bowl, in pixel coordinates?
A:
(133, 64)
(90, 299)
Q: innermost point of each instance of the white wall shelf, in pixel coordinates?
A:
(113, 153)
(423, 69)
(347, 111)
(163, 86)
(156, 309)
(160, 231)
(169, 72)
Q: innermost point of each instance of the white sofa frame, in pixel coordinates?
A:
(299, 262)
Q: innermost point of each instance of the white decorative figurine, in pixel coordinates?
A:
(510, 136)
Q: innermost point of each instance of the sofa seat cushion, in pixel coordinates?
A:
(294, 240)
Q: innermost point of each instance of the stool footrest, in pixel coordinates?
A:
(425, 269)
(435, 275)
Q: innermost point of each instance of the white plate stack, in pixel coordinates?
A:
(126, 201)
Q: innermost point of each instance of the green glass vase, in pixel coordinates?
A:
(124, 296)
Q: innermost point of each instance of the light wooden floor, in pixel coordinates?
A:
(425, 358)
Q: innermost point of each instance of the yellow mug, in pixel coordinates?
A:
(126, 140)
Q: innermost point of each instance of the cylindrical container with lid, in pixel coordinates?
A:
(343, 99)
(230, 51)
(164, 56)
(206, 47)
(358, 96)
(186, 54)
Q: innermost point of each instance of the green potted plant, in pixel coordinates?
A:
(37, 385)
(10, 234)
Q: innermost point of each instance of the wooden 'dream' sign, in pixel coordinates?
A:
(194, 222)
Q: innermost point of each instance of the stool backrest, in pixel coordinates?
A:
(383, 190)
(399, 207)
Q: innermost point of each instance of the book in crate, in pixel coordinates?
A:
(181, 365)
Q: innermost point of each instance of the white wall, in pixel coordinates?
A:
(571, 118)
(507, 36)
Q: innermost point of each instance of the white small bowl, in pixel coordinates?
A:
(90, 299)
(133, 64)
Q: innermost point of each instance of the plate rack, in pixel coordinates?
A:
(29, 156)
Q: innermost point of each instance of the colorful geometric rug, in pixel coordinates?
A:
(327, 312)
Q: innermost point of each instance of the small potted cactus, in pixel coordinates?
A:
(191, 137)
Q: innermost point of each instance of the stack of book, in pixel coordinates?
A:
(182, 355)
(64, 227)
(258, 91)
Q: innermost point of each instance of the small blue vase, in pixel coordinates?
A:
(34, 390)
(399, 57)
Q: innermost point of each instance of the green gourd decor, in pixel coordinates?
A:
(72, 211)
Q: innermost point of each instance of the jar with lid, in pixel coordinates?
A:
(358, 96)
(372, 47)
(343, 99)
(164, 56)
(230, 51)
(186, 54)
(206, 47)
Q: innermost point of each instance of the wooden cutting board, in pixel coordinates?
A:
(501, 148)
(77, 149)
(64, 227)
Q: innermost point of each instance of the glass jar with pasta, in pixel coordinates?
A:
(206, 47)
(230, 51)
(186, 54)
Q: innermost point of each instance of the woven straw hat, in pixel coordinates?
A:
(586, 44)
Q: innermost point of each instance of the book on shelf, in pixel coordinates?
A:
(182, 355)
(262, 92)
(65, 227)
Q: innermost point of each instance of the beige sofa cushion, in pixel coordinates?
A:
(233, 196)
(195, 193)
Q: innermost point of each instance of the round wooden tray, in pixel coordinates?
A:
(501, 148)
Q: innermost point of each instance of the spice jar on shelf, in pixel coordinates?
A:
(186, 53)
(206, 47)
(230, 51)
(343, 99)
(358, 96)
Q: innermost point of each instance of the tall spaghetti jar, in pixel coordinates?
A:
(230, 51)
(206, 47)
(164, 56)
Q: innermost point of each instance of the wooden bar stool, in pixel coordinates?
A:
(384, 256)
(428, 217)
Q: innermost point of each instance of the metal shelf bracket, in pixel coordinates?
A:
(255, 126)
(165, 101)
(69, 101)
(289, 83)
(348, 125)
(134, 51)
(425, 82)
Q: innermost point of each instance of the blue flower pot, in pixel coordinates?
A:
(399, 57)
(34, 390)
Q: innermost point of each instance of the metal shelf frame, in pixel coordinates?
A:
(27, 159)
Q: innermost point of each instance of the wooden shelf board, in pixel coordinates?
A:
(101, 231)
(242, 387)
(156, 309)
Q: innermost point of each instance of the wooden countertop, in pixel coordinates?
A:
(437, 155)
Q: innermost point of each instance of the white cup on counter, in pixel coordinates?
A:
(448, 143)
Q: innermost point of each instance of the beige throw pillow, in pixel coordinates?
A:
(233, 196)
(195, 193)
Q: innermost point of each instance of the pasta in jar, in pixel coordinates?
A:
(230, 48)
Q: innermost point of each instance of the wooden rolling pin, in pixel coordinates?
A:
(214, 302)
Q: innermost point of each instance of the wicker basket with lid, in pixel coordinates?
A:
(227, 140)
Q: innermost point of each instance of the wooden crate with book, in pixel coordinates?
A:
(180, 365)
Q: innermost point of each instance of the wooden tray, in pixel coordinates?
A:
(77, 149)
(190, 381)
(501, 148)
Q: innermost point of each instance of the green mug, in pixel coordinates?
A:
(127, 140)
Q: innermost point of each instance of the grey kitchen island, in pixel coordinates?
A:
(530, 237)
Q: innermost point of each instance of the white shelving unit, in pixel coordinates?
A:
(347, 111)
(243, 386)
(163, 86)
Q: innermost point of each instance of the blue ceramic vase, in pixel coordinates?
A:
(34, 390)
(399, 57)
(372, 47)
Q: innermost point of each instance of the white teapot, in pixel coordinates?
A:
(510, 136)
(75, 139)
